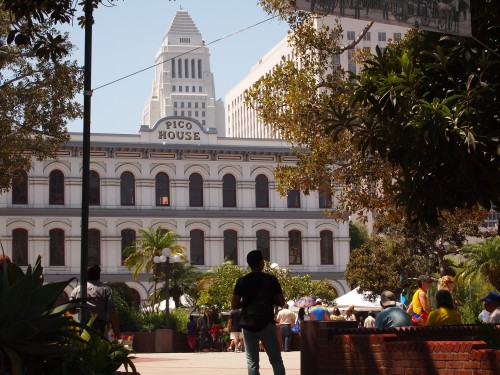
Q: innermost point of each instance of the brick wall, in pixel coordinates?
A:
(327, 348)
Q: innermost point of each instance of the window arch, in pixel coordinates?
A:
(128, 238)
(231, 245)
(293, 198)
(294, 247)
(197, 247)
(162, 189)
(20, 247)
(127, 189)
(326, 247)
(228, 191)
(325, 196)
(20, 187)
(195, 190)
(261, 191)
(56, 187)
(264, 243)
(94, 252)
(56, 247)
(94, 189)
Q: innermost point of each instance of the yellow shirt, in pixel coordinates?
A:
(443, 316)
(417, 306)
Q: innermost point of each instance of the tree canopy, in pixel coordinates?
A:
(417, 129)
(37, 98)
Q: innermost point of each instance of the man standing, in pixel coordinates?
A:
(286, 320)
(370, 320)
(100, 303)
(420, 307)
(204, 325)
(319, 312)
(391, 315)
(257, 293)
(492, 305)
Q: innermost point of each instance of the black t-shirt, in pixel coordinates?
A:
(235, 321)
(258, 290)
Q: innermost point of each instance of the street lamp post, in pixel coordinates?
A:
(166, 259)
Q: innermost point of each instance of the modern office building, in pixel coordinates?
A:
(215, 190)
(243, 122)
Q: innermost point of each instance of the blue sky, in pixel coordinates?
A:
(126, 38)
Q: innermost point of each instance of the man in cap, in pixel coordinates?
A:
(319, 312)
(391, 315)
(492, 305)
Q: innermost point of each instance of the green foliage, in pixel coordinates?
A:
(129, 318)
(358, 233)
(38, 338)
(179, 319)
(37, 99)
(481, 260)
(122, 290)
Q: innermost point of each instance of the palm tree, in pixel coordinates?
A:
(150, 243)
(482, 260)
(184, 281)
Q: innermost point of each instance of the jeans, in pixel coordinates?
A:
(269, 338)
(286, 335)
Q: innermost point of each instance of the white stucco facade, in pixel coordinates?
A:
(181, 144)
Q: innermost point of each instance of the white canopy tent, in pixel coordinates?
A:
(360, 302)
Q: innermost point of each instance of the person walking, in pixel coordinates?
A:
(256, 294)
(192, 333)
(204, 326)
(100, 302)
(235, 333)
(286, 320)
(319, 312)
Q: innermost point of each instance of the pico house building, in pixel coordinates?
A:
(217, 193)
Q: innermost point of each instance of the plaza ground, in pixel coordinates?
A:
(206, 363)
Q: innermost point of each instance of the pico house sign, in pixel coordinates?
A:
(177, 130)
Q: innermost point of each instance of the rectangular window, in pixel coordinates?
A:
(180, 88)
(196, 105)
(187, 88)
(203, 105)
(189, 113)
(381, 37)
(189, 104)
(182, 104)
(175, 113)
(351, 35)
(200, 89)
(351, 65)
(202, 113)
(175, 104)
(367, 36)
(173, 88)
(195, 113)
(182, 113)
(397, 36)
(193, 88)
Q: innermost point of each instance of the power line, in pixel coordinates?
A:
(185, 53)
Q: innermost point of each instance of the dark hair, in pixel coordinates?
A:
(285, 306)
(444, 299)
(336, 311)
(302, 313)
(423, 279)
(254, 258)
(93, 272)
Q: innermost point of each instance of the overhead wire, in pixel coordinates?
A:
(184, 53)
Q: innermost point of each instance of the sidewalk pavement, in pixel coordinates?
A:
(220, 363)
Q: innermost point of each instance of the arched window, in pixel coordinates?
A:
(228, 191)
(20, 187)
(294, 247)
(20, 247)
(162, 188)
(56, 187)
(326, 246)
(127, 189)
(94, 189)
(325, 196)
(94, 252)
(261, 191)
(128, 239)
(195, 190)
(264, 243)
(293, 198)
(231, 245)
(197, 247)
(56, 247)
